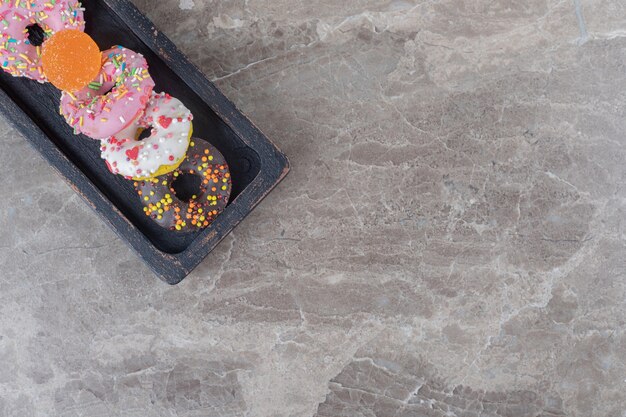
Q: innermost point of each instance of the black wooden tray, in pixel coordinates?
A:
(256, 164)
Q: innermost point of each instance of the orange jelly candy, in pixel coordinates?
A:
(71, 60)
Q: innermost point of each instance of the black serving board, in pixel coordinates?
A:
(256, 164)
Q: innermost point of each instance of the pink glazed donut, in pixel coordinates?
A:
(114, 100)
(18, 55)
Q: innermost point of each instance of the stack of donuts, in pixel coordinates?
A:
(145, 136)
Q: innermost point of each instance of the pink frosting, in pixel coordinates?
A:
(18, 56)
(99, 113)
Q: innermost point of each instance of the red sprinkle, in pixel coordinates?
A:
(165, 121)
(133, 153)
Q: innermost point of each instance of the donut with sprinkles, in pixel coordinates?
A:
(114, 100)
(162, 204)
(168, 123)
(26, 24)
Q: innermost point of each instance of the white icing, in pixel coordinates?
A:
(167, 145)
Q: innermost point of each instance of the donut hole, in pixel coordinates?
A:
(108, 90)
(185, 186)
(36, 35)
(144, 134)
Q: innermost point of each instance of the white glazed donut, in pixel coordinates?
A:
(159, 153)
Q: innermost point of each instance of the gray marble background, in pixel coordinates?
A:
(451, 240)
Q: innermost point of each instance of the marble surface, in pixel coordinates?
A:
(451, 240)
